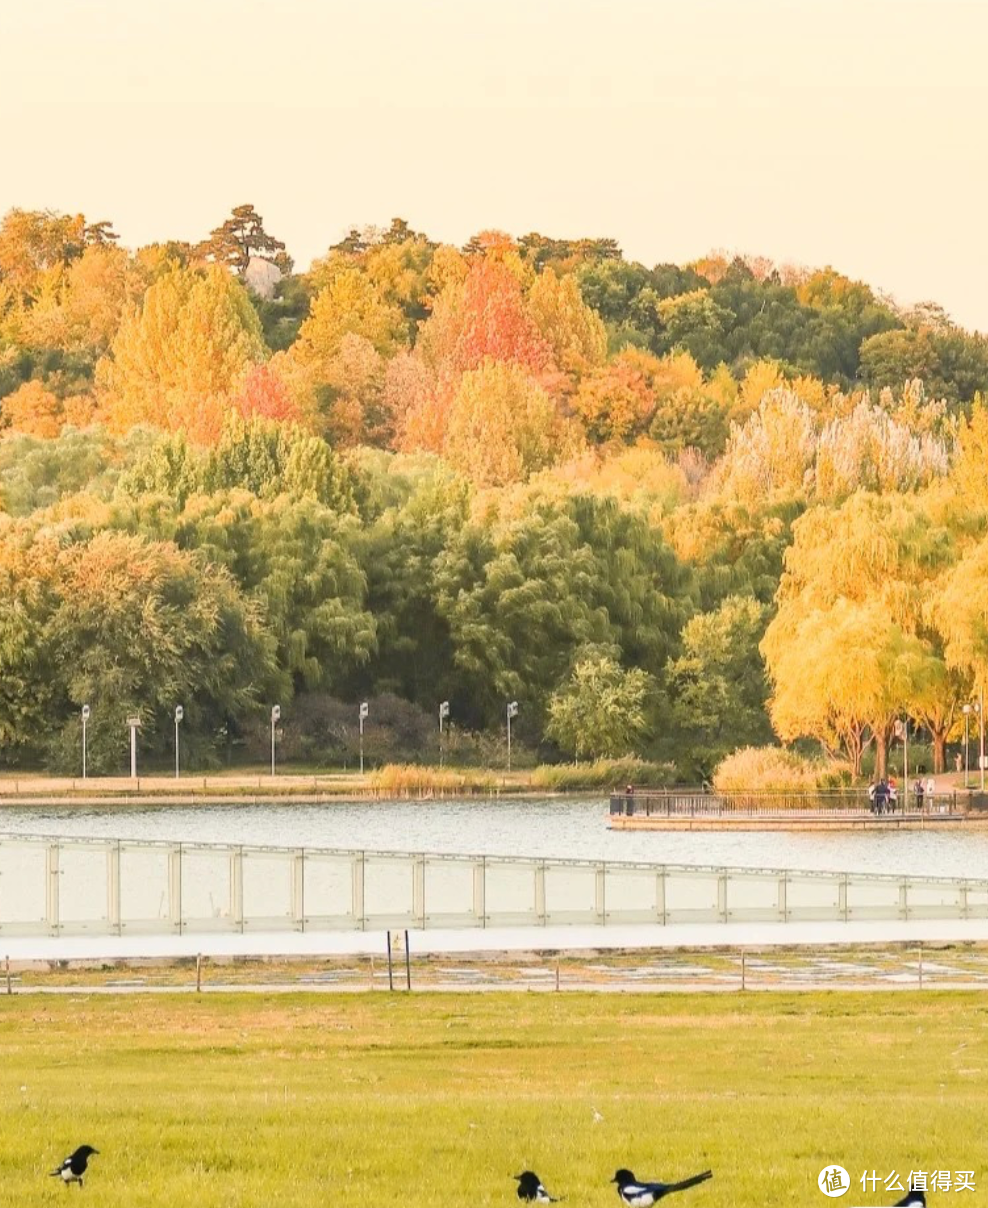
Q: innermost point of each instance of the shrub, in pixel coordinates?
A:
(409, 780)
(775, 769)
(603, 774)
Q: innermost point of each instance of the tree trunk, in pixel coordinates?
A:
(881, 754)
(939, 750)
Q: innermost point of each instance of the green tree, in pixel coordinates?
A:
(601, 710)
(243, 238)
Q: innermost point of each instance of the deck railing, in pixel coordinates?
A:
(828, 802)
(68, 886)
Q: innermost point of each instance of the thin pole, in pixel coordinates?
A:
(176, 750)
(408, 965)
(441, 740)
(10, 988)
(361, 746)
(391, 979)
(509, 739)
(84, 748)
(272, 746)
(981, 715)
(967, 748)
(905, 765)
(198, 972)
(133, 752)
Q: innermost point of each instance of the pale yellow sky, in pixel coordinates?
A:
(849, 132)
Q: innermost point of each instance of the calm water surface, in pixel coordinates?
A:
(551, 828)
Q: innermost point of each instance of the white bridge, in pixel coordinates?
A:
(104, 887)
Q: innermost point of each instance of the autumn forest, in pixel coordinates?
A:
(672, 511)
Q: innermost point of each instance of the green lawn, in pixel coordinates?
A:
(243, 1100)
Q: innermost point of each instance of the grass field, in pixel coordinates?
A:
(431, 1099)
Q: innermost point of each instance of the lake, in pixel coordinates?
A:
(575, 829)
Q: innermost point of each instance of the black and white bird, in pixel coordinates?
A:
(637, 1193)
(915, 1199)
(530, 1189)
(74, 1166)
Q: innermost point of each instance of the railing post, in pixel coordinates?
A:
(842, 896)
(963, 903)
(722, 895)
(357, 883)
(237, 886)
(540, 893)
(297, 889)
(175, 888)
(480, 891)
(51, 888)
(113, 888)
(783, 899)
(418, 889)
(599, 899)
(904, 899)
(660, 895)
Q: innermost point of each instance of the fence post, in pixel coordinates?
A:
(408, 965)
(175, 888)
(391, 978)
(722, 896)
(744, 985)
(10, 988)
(297, 889)
(660, 895)
(480, 890)
(418, 889)
(357, 886)
(199, 973)
(783, 898)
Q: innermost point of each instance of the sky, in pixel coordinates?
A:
(841, 132)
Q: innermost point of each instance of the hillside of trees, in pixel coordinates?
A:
(670, 511)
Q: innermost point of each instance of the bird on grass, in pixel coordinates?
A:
(915, 1199)
(531, 1190)
(74, 1166)
(637, 1193)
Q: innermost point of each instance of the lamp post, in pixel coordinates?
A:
(512, 712)
(179, 714)
(967, 746)
(135, 724)
(275, 715)
(363, 718)
(85, 722)
(443, 715)
(901, 730)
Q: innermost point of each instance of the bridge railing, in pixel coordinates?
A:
(60, 886)
(848, 802)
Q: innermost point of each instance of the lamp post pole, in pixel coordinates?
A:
(967, 747)
(363, 715)
(443, 715)
(512, 712)
(135, 724)
(179, 714)
(275, 715)
(85, 722)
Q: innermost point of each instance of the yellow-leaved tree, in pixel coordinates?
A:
(177, 359)
(502, 425)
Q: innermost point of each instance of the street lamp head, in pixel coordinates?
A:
(363, 711)
(85, 713)
(513, 708)
(444, 710)
(275, 712)
(179, 713)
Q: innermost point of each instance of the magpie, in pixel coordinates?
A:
(638, 1194)
(915, 1199)
(74, 1166)
(531, 1190)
